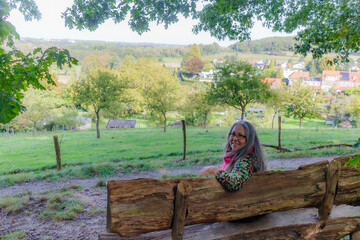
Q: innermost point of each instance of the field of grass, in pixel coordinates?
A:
(24, 152)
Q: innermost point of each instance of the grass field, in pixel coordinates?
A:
(27, 153)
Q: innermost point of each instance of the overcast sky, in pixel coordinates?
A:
(52, 26)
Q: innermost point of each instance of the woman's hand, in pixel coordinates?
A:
(209, 170)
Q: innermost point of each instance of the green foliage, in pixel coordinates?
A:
(155, 86)
(302, 101)
(266, 45)
(18, 71)
(325, 26)
(100, 89)
(237, 85)
(194, 51)
(354, 161)
(197, 105)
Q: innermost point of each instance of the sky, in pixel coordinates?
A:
(52, 26)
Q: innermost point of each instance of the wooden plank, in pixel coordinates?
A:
(332, 177)
(291, 224)
(146, 205)
(348, 191)
(181, 200)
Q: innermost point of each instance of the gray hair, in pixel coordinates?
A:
(252, 140)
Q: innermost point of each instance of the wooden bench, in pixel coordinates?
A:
(272, 205)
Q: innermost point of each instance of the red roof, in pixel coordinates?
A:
(352, 76)
(300, 75)
(271, 80)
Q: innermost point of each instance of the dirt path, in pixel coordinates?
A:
(86, 225)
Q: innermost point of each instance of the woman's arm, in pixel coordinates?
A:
(234, 180)
(209, 170)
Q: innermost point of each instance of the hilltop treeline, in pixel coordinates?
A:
(80, 49)
(273, 45)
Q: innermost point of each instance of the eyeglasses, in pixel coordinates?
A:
(238, 136)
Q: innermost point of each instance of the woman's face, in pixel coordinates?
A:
(237, 137)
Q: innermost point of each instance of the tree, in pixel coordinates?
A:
(322, 26)
(197, 104)
(161, 90)
(194, 51)
(277, 101)
(326, 63)
(302, 102)
(39, 105)
(98, 91)
(237, 85)
(194, 65)
(19, 71)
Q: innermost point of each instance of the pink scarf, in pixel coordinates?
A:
(227, 159)
(228, 156)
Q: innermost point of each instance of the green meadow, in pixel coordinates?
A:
(24, 152)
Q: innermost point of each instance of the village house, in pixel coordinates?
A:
(339, 80)
(298, 76)
(299, 65)
(273, 82)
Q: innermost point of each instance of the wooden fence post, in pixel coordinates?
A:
(279, 133)
(181, 200)
(332, 177)
(184, 138)
(57, 151)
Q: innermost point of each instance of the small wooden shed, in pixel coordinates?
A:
(121, 123)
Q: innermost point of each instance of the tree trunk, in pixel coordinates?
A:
(7, 132)
(34, 126)
(273, 120)
(243, 113)
(300, 122)
(206, 115)
(164, 122)
(97, 123)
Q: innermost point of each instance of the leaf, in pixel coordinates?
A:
(354, 161)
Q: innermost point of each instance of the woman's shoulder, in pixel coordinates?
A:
(249, 159)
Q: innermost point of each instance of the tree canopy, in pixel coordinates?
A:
(322, 26)
(237, 85)
(19, 71)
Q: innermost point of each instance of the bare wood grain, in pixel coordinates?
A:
(145, 205)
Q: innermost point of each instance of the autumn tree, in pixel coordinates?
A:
(194, 65)
(302, 101)
(97, 91)
(238, 85)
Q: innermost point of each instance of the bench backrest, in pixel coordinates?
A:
(145, 205)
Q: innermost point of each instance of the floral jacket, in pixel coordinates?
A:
(234, 180)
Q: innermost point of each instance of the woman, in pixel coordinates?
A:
(243, 156)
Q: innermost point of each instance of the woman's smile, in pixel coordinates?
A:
(237, 137)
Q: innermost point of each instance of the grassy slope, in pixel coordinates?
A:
(26, 153)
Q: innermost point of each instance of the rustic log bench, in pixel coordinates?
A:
(295, 204)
